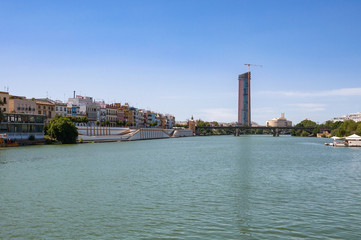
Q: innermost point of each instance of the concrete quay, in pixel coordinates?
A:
(110, 134)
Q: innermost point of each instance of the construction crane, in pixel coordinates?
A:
(253, 65)
(249, 69)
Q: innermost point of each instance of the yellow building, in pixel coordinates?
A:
(128, 116)
(19, 104)
(46, 108)
(279, 122)
(4, 98)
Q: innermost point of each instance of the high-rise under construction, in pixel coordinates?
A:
(244, 99)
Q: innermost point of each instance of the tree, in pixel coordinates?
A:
(215, 124)
(153, 124)
(204, 131)
(304, 134)
(62, 129)
(119, 123)
(348, 127)
(358, 129)
(306, 123)
(98, 123)
(315, 131)
(336, 124)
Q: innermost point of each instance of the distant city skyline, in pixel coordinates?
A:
(184, 57)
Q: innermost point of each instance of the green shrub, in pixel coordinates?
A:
(63, 130)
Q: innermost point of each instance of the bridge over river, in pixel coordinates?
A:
(276, 131)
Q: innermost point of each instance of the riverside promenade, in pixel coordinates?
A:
(116, 134)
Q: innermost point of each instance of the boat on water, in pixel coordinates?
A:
(351, 141)
(7, 142)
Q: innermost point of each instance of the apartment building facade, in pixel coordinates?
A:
(18, 104)
(4, 99)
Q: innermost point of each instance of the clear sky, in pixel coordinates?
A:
(183, 57)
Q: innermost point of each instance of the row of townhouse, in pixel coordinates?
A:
(23, 105)
(97, 112)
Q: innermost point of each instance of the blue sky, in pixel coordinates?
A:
(183, 57)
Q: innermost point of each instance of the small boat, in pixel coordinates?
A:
(353, 141)
(7, 142)
(350, 141)
(338, 142)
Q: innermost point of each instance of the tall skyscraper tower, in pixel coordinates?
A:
(244, 99)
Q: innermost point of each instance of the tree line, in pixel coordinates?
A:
(338, 128)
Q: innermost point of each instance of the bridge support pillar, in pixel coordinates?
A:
(236, 132)
(276, 132)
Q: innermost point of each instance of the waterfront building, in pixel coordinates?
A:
(162, 120)
(122, 109)
(22, 126)
(4, 99)
(353, 116)
(103, 115)
(141, 121)
(128, 117)
(73, 110)
(45, 108)
(81, 102)
(150, 119)
(111, 114)
(93, 113)
(279, 122)
(134, 116)
(192, 125)
(60, 108)
(120, 115)
(244, 99)
(170, 121)
(87, 107)
(19, 104)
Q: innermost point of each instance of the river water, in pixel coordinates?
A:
(219, 187)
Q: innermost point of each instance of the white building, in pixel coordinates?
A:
(60, 108)
(353, 116)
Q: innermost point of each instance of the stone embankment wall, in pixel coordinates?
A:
(101, 131)
(149, 133)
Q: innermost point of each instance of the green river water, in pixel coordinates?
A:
(219, 187)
